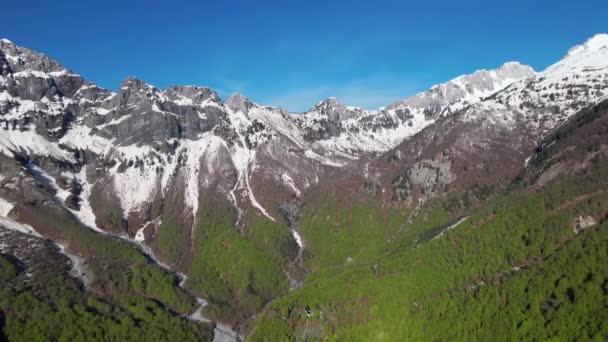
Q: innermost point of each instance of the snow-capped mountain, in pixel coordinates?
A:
(548, 99)
(355, 131)
(486, 144)
(465, 90)
(120, 160)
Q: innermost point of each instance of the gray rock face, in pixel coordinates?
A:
(336, 111)
(124, 151)
(466, 88)
(327, 119)
(195, 95)
(142, 114)
(22, 59)
(358, 131)
(238, 103)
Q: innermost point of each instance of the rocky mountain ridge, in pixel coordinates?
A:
(142, 163)
(140, 131)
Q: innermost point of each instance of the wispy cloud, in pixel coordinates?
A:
(300, 99)
(362, 93)
(225, 86)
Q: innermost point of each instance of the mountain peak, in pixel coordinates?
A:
(510, 63)
(29, 60)
(511, 69)
(132, 82)
(327, 103)
(237, 102)
(514, 65)
(193, 94)
(589, 56)
(336, 110)
(467, 89)
(595, 43)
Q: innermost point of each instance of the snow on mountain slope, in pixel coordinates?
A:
(485, 144)
(465, 90)
(140, 145)
(548, 99)
(133, 162)
(351, 131)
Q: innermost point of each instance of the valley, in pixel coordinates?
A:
(477, 207)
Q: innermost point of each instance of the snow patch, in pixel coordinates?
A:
(79, 270)
(140, 236)
(298, 238)
(136, 184)
(48, 181)
(85, 214)
(323, 160)
(451, 227)
(80, 137)
(287, 180)
(242, 157)
(20, 227)
(5, 207)
(29, 143)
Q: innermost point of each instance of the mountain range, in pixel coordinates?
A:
(223, 198)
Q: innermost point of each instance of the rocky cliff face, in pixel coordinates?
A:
(485, 145)
(120, 160)
(355, 131)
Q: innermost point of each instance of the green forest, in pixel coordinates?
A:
(523, 262)
(515, 268)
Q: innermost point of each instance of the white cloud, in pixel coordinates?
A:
(361, 93)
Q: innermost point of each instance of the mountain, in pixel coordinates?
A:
(355, 131)
(486, 144)
(527, 263)
(137, 136)
(178, 196)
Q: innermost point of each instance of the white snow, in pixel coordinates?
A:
(20, 227)
(5, 207)
(47, 180)
(287, 180)
(62, 72)
(451, 227)
(103, 111)
(30, 143)
(242, 157)
(595, 43)
(113, 122)
(140, 236)
(298, 238)
(85, 214)
(80, 137)
(135, 186)
(323, 160)
(79, 269)
(29, 73)
(562, 89)
(195, 151)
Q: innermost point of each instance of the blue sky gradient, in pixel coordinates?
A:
(295, 53)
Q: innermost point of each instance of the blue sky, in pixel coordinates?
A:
(295, 53)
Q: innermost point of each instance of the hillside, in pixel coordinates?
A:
(528, 263)
(479, 201)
